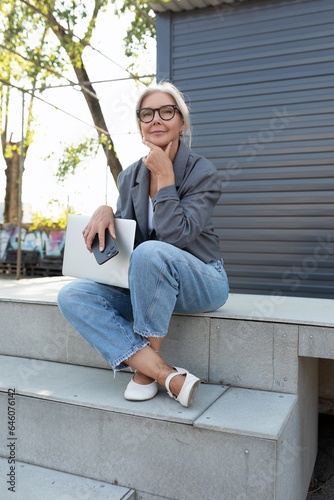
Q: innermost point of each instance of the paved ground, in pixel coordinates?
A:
(322, 485)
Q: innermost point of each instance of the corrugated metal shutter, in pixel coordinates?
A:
(259, 76)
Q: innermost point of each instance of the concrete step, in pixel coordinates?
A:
(233, 443)
(30, 482)
(256, 352)
(216, 346)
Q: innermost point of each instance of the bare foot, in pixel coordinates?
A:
(142, 379)
(176, 384)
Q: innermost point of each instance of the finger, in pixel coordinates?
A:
(85, 234)
(101, 236)
(89, 240)
(148, 154)
(148, 144)
(146, 158)
(112, 229)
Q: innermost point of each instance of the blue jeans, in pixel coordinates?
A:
(162, 279)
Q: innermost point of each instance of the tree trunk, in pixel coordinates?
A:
(96, 112)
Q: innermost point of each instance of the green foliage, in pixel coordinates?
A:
(23, 66)
(28, 64)
(44, 40)
(141, 27)
(73, 155)
(56, 219)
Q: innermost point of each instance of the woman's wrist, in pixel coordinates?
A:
(165, 181)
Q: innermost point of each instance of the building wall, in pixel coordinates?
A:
(259, 77)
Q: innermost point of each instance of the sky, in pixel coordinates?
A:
(93, 184)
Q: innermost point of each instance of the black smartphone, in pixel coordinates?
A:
(110, 248)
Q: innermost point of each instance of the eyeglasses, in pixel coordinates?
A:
(166, 113)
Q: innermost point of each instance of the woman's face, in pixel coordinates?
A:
(161, 132)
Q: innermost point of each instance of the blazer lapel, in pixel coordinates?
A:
(180, 164)
(139, 194)
(140, 191)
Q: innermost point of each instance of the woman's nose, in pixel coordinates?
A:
(156, 114)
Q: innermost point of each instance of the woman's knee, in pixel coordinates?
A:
(146, 259)
(64, 295)
(146, 252)
(69, 294)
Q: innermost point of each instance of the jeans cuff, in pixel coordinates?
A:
(119, 364)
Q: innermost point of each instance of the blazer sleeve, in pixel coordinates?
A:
(182, 214)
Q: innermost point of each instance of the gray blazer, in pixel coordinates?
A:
(181, 213)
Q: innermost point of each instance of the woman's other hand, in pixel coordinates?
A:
(102, 219)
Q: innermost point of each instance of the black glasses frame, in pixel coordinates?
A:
(175, 108)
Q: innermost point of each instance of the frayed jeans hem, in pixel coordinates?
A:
(119, 364)
(145, 335)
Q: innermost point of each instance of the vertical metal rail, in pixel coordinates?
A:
(19, 215)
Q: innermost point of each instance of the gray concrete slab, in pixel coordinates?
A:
(166, 459)
(188, 344)
(280, 309)
(274, 308)
(38, 290)
(234, 344)
(248, 412)
(38, 483)
(316, 342)
(96, 388)
(40, 331)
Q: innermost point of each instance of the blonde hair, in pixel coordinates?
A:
(169, 88)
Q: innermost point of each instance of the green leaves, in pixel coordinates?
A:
(74, 154)
(141, 27)
(42, 42)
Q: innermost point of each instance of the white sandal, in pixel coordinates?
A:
(189, 388)
(140, 392)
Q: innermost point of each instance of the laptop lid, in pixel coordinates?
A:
(78, 262)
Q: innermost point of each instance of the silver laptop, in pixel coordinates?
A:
(78, 262)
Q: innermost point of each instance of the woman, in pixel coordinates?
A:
(176, 264)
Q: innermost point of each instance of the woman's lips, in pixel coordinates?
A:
(157, 132)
